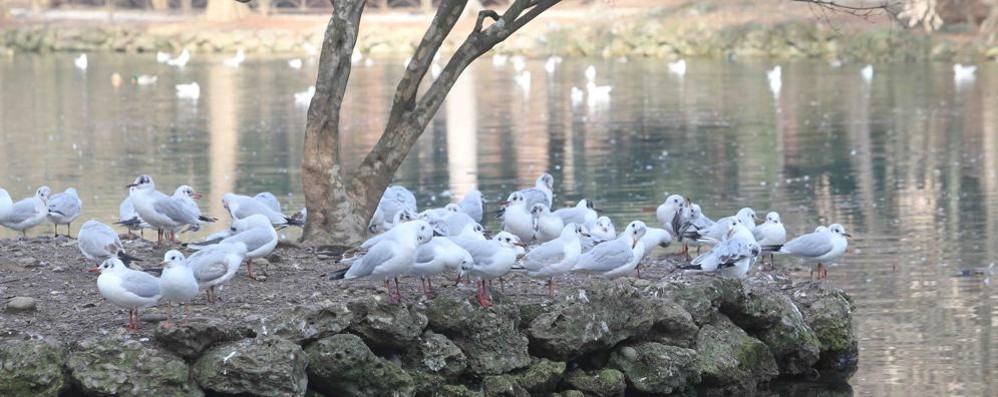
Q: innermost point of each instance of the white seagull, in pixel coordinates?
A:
(492, 259)
(162, 212)
(584, 214)
(435, 257)
(770, 233)
(81, 62)
(473, 204)
(181, 60)
(775, 77)
(241, 207)
(188, 91)
(236, 60)
(555, 257)
(733, 256)
(678, 68)
(177, 285)
(617, 257)
(28, 212)
(127, 288)
(255, 232)
(821, 247)
(98, 242)
(546, 225)
(63, 209)
(390, 257)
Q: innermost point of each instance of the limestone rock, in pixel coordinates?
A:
(342, 365)
(20, 304)
(596, 317)
(266, 365)
(31, 368)
(701, 295)
(828, 311)
(436, 354)
(604, 383)
(731, 359)
(113, 366)
(773, 317)
(188, 341)
(654, 368)
(489, 338)
(385, 325)
(308, 323)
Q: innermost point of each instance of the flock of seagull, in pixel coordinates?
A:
(532, 240)
(216, 259)
(540, 243)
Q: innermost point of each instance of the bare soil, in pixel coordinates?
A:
(54, 272)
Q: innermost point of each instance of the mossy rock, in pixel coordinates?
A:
(190, 340)
(489, 337)
(828, 311)
(342, 365)
(607, 382)
(384, 325)
(731, 359)
(113, 366)
(266, 365)
(304, 324)
(654, 368)
(436, 354)
(32, 368)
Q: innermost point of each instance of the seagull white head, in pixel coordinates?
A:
(636, 230)
(539, 210)
(452, 207)
(187, 191)
(111, 265)
(839, 229)
(143, 182)
(572, 230)
(172, 259)
(507, 240)
(43, 193)
(773, 217)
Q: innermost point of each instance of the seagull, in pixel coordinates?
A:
(733, 256)
(128, 217)
(189, 197)
(499, 60)
(98, 242)
(295, 63)
(615, 258)
(555, 257)
(492, 259)
(390, 257)
(542, 192)
(393, 200)
(177, 285)
(473, 204)
(240, 207)
(310, 48)
(669, 214)
(127, 288)
(822, 246)
(577, 96)
(236, 59)
(435, 257)
(213, 266)
(188, 91)
(719, 230)
(181, 60)
(519, 63)
(28, 212)
(963, 73)
(304, 98)
(355, 57)
(255, 232)
(584, 214)
(63, 209)
(523, 81)
(162, 57)
(678, 67)
(770, 233)
(6, 204)
(775, 77)
(693, 219)
(457, 221)
(437, 215)
(517, 218)
(552, 63)
(866, 73)
(604, 230)
(269, 199)
(162, 212)
(546, 225)
(653, 237)
(81, 62)
(590, 74)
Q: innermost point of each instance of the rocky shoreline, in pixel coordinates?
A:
(677, 333)
(606, 38)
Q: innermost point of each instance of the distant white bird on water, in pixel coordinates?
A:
(81, 62)
(519, 63)
(188, 91)
(295, 63)
(304, 98)
(236, 60)
(523, 81)
(962, 74)
(310, 48)
(867, 73)
(355, 57)
(678, 67)
(775, 77)
(181, 60)
(552, 64)
(577, 96)
(595, 94)
(499, 60)
(162, 57)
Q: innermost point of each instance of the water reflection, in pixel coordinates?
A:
(907, 162)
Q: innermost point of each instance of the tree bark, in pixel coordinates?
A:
(333, 216)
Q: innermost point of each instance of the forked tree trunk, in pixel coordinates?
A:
(340, 203)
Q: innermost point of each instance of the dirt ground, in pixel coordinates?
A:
(69, 307)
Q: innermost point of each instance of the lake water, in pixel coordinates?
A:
(907, 162)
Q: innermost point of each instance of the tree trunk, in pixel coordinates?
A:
(340, 204)
(333, 216)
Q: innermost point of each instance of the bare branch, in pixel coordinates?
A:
(448, 13)
(481, 18)
(832, 4)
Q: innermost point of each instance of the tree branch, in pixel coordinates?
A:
(481, 18)
(448, 13)
(837, 5)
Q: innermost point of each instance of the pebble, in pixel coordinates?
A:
(629, 353)
(21, 304)
(261, 262)
(641, 283)
(58, 269)
(28, 262)
(152, 318)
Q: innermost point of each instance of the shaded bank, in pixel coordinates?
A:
(602, 338)
(646, 37)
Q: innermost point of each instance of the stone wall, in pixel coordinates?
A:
(684, 334)
(639, 38)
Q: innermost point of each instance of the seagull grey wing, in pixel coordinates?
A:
(142, 284)
(253, 238)
(758, 233)
(126, 210)
(605, 257)
(535, 196)
(175, 210)
(732, 251)
(482, 251)
(572, 215)
(544, 255)
(64, 204)
(377, 255)
(426, 252)
(209, 264)
(21, 211)
(811, 245)
(269, 199)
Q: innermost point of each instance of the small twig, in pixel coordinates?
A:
(485, 14)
